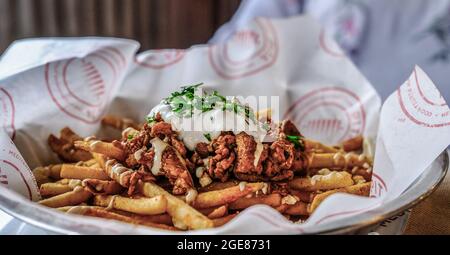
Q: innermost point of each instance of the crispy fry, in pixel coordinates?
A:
(224, 220)
(118, 122)
(108, 149)
(159, 218)
(101, 187)
(336, 160)
(42, 175)
(353, 144)
(362, 189)
(225, 196)
(144, 206)
(315, 146)
(102, 213)
(183, 215)
(100, 159)
(53, 189)
(77, 196)
(215, 212)
(82, 172)
(219, 185)
(332, 180)
(273, 200)
(66, 151)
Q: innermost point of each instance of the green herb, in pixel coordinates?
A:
(184, 102)
(130, 136)
(207, 136)
(150, 119)
(296, 140)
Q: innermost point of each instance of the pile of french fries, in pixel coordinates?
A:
(85, 184)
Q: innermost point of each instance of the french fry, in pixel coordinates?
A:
(273, 200)
(225, 196)
(100, 159)
(224, 220)
(102, 213)
(77, 196)
(143, 206)
(53, 189)
(353, 144)
(219, 185)
(102, 187)
(362, 189)
(42, 175)
(315, 146)
(183, 215)
(108, 149)
(215, 212)
(82, 172)
(332, 180)
(65, 150)
(337, 160)
(118, 172)
(164, 218)
(118, 122)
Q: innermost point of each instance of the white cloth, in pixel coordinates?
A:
(384, 38)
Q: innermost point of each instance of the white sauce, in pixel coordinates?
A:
(289, 200)
(111, 203)
(191, 195)
(138, 154)
(265, 188)
(89, 138)
(258, 151)
(158, 147)
(242, 186)
(199, 172)
(94, 144)
(192, 130)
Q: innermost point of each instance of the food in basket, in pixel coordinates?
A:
(164, 174)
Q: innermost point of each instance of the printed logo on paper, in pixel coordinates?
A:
(328, 114)
(423, 104)
(7, 112)
(80, 87)
(378, 187)
(159, 59)
(10, 175)
(247, 52)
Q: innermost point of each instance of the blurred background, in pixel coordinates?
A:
(154, 23)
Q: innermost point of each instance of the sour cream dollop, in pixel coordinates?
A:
(203, 125)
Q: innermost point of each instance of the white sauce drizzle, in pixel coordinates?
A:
(258, 151)
(212, 122)
(89, 138)
(158, 147)
(242, 186)
(138, 154)
(94, 144)
(199, 171)
(111, 203)
(191, 195)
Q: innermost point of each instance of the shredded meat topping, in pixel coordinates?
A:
(222, 163)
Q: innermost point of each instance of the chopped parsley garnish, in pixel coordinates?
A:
(296, 140)
(207, 136)
(150, 119)
(184, 102)
(130, 136)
